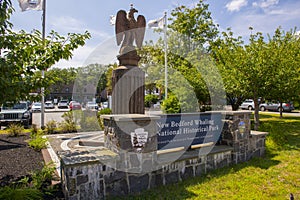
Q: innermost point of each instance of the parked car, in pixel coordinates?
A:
(92, 106)
(36, 107)
(275, 106)
(74, 105)
(63, 104)
(247, 104)
(49, 105)
(16, 113)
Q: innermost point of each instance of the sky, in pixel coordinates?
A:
(74, 16)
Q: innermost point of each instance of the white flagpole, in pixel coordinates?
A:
(166, 58)
(43, 73)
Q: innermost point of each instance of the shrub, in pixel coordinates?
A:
(51, 126)
(34, 129)
(15, 129)
(20, 193)
(105, 111)
(37, 142)
(69, 124)
(89, 121)
(150, 99)
(171, 105)
(42, 178)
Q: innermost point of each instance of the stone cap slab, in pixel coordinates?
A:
(230, 112)
(258, 133)
(77, 157)
(129, 117)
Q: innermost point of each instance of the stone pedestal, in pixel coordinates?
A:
(128, 86)
(134, 138)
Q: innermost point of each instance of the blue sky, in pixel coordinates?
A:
(74, 16)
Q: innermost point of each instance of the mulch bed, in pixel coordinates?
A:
(17, 159)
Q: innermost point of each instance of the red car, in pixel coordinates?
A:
(75, 105)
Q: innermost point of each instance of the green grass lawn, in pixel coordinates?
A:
(274, 176)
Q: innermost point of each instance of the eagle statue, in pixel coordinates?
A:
(128, 29)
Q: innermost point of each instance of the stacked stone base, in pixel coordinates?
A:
(93, 177)
(111, 172)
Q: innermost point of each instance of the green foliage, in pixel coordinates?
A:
(105, 111)
(34, 129)
(33, 187)
(171, 105)
(26, 53)
(273, 176)
(190, 77)
(195, 23)
(10, 193)
(261, 68)
(42, 178)
(89, 121)
(150, 99)
(37, 142)
(69, 123)
(51, 127)
(15, 129)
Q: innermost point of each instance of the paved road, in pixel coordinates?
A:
(294, 113)
(36, 117)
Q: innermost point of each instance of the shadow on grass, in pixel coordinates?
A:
(284, 135)
(179, 190)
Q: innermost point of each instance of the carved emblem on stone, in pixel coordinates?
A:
(139, 138)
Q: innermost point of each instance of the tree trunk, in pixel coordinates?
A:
(280, 110)
(256, 114)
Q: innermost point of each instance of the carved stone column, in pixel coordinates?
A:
(128, 86)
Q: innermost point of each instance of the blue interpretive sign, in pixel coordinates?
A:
(185, 130)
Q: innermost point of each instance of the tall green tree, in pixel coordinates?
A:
(22, 54)
(189, 33)
(284, 57)
(244, 67)
(260, 68)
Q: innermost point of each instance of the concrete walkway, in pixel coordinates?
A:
(71, 141)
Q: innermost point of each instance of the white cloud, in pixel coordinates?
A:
(78, 58)
(283, 14)
(265, 3)
(236, 5)
(67, 24)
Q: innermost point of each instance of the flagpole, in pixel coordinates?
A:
(166, 58)
(43, 73)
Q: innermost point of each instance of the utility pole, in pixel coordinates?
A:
(43, 72)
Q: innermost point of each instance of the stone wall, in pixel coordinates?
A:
(102, 172)
(91, 175)
(237, 134)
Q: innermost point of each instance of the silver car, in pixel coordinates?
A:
(248, 104)
(275, 106)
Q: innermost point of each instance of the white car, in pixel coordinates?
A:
(92, 106)
(36, 107)
(63, 104)
(49, 105)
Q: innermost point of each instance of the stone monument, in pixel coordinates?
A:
(128, 80)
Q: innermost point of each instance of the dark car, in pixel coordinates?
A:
(275, 106)
(16, 113)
